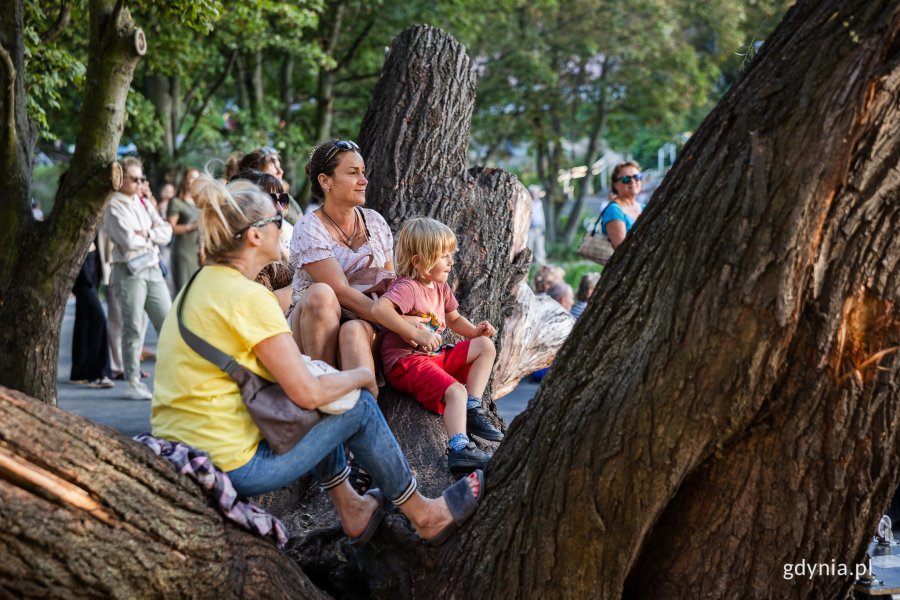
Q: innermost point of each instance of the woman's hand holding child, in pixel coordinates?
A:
(428, 340)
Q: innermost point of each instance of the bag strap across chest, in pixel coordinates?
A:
(225, 362)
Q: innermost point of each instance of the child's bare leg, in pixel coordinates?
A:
(463, 456)
(481, 356)
(455, 410)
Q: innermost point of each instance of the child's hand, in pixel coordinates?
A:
(428, 341)
(485, 329)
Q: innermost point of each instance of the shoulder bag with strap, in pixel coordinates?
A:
(280, 420)
(595, 245)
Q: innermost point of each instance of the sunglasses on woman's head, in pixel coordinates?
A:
(340, 146)
(277, 219)
(268, 151)
(628, 178)
(282, 198)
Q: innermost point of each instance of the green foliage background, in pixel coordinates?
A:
(639, 72)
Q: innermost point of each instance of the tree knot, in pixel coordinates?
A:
(868, 332)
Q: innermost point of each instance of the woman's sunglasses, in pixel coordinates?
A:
(340, 146)
(628, 178)
(282, 198)
(277, 219)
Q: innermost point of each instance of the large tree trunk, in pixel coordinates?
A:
(415, 138)
(41, 259)
(85, 511)
(727, 403)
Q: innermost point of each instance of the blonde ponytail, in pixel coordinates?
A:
(225, 210)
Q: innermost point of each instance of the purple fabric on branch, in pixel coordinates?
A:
(197, 465)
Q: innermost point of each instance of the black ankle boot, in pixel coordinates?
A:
(478, 424)
(467, 460)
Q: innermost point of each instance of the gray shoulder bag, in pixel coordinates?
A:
(595, 244)
(280, 420)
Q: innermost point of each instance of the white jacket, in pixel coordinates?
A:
(123, 217)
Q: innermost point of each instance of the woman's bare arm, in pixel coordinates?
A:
(329, 271)
(616, 232)
(280, 355)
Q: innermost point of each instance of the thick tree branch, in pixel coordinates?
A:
(137, 500)
(209, 95)
(9, 99)
(62, 21)
(348, 56)
(329, 41)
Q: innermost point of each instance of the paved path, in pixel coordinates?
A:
(131, 417)
(107, 407)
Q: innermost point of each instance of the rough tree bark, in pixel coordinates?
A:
(99, 515)
(728, 402)
(41, 259)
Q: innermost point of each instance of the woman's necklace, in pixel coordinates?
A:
(347, 239)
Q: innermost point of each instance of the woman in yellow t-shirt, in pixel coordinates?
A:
(196, 403)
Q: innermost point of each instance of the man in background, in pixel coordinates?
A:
(136, 230)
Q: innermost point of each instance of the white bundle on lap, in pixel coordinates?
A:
(342, 404)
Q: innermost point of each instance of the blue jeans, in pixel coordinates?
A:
(321, 451)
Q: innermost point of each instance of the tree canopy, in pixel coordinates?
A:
(559, 80)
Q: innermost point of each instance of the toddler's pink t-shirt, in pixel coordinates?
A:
(413, 298)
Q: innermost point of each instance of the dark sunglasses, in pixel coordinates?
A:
(628, 178)
(138, 179)
(282, 198)
(340, 146)
(277, 219)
